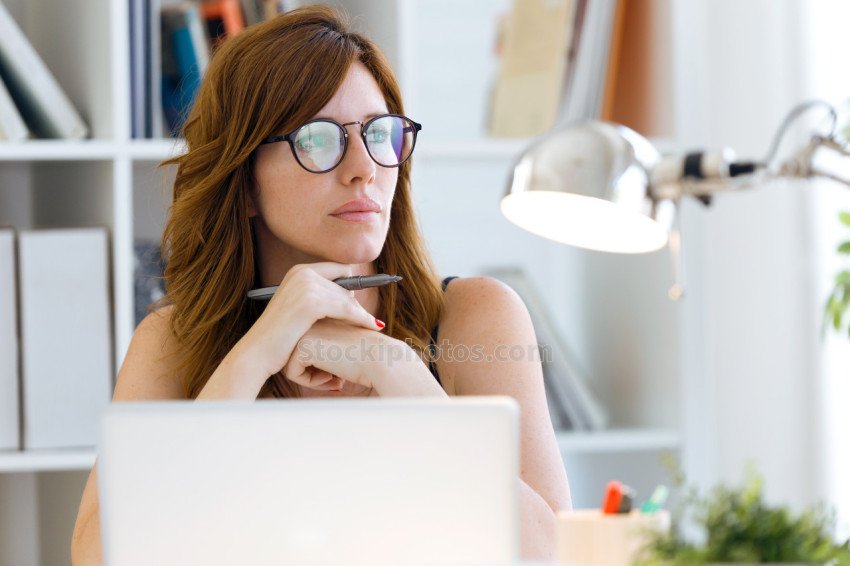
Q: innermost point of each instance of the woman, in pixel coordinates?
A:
(297, 121)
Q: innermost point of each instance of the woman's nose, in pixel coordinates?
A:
(357, 163)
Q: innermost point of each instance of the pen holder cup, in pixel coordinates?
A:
(589, 537)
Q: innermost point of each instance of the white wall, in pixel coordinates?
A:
(759, 259)
(824, 49)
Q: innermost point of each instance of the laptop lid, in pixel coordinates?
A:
(310, 481)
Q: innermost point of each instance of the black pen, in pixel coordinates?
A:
(349, 283)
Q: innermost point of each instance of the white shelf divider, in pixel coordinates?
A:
(603, 442)
(485, 148)
(155, 150)
(47, 460)
(58, 150)
(618, 441)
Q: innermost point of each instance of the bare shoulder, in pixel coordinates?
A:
(476, 304)
(148, 370)
(481, 314)
(472, 293)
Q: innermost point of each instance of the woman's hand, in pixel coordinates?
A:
(306, 295)
(334, 351)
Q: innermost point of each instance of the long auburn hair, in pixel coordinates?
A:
(269, 78)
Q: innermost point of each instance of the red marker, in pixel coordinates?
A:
(618, 498)
(613, 497)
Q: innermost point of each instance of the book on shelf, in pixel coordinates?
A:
(615, 60)
(593, 43)
(185, 57)
(560, 63)
(636, 91)
(9, 415)
(254, 11)
(148, 269)
(155, 119)
(527, 94)
(170, 49)
(223, 19)
(40, 100)
(572, 403)
(66, 337)
(12, 125)
(272, 8)
(139, 69)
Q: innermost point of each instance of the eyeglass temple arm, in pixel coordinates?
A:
(275, 139)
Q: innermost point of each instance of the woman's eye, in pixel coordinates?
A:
(377, 135)
(313, 142)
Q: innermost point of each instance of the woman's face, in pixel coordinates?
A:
(295, 208)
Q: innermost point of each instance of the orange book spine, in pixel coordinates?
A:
(614, 57)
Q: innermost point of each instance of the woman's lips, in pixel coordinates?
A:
(359, 216)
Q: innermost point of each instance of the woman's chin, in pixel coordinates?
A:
(364, 255)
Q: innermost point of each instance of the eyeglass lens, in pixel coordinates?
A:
(319, 145)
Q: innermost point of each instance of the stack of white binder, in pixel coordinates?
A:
(9, 429)
(63, 376)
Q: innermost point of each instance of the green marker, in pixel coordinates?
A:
(656, 502)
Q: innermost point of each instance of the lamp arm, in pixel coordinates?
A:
(677, 177)
(802, 164)
(701, 175)
(795, 113)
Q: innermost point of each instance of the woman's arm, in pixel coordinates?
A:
(142, 376)
(487, 316)
(146, 375)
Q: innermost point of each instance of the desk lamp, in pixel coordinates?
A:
(602, 186)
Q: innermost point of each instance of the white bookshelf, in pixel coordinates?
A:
(459, 176)
(570, 443)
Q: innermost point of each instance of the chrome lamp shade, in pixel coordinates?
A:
(589, 185)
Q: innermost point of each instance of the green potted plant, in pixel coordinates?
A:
(738, 527)
(838, 303)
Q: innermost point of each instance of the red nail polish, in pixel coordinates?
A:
(379, 323)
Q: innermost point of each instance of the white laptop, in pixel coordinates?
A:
(396, 481)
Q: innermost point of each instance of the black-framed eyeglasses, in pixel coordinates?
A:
(320, 145)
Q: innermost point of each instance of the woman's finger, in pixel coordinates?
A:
(319, 377)
(301, 371)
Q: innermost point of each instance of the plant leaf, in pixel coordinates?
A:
(831, 306)
(844, 248)
(843, 278)
(844, 217)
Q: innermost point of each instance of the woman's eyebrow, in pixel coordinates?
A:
(366, 117)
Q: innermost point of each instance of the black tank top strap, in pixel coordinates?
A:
(433, 344)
